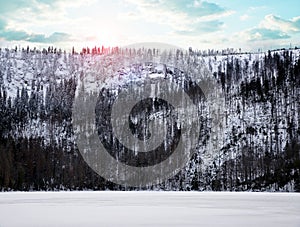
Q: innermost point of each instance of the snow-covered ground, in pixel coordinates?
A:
(149, 209)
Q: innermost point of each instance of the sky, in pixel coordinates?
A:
(216, 24)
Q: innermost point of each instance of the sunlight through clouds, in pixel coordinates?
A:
(203, 24)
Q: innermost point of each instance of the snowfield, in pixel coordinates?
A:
(149, 209)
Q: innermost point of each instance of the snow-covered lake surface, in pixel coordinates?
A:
(149, 209)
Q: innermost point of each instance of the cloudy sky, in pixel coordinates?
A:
(218, 24)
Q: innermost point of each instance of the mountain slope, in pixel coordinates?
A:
(258, 143)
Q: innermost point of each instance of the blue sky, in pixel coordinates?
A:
(215, 24)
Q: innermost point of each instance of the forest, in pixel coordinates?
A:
(261, 141)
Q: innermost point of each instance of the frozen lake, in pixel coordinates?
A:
(149, 209)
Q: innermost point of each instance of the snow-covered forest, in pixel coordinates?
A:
(260, 146)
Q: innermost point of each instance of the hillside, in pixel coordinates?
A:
(256, 141)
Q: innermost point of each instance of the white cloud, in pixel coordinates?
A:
(271, 32)
(244, 17)
(254, 8)
(39, 14)
(275, 22)
(271, 28)
(180, 15)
